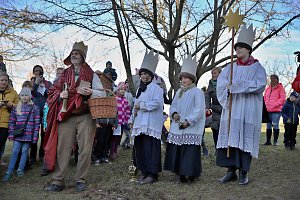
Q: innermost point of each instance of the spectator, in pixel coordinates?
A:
(111, 71)
(274, 99)
(2, 65)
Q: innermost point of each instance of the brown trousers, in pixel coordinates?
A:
(81, 128)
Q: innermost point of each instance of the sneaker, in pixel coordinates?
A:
(105, 160)
(97, 162)
(80, 187)
(7, 176)
(55, 188)
(20, 173)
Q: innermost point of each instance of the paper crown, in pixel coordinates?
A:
(81, 48)
(189, 68)
(150, 61)
(246, 36)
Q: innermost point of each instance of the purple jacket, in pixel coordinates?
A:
(31, 133)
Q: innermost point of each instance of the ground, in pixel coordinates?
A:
(274, 175)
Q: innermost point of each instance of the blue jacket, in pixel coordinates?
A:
(40, 99)
(290, 110)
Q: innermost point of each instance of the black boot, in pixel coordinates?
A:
(276, 135)
(268, 134)
(243, 178)
(229, 176)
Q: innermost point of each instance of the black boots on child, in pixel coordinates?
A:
(269, 135)
(231, 176)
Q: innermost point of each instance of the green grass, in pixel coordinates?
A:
(275, 175)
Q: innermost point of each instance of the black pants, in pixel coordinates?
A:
(33, 151)
(3, 137)
(290, 132)
(103, 138)
(215, 136)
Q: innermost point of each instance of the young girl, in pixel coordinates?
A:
(123, 108)
(187, 112)
(17, 120)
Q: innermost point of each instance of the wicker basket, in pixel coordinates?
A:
(103, 107)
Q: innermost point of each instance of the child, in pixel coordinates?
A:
(290, 112)
(187, 112)
(123, 108)
(18, 118)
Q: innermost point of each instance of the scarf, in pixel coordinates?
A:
(249, 62)
(142, 88)
(183, 89)
(54, 115)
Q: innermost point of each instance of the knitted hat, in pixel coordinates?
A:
(295, 94)
(122, 85)
(189, 68)
(81, 48)
(245, 38)
(149, 63)
(25, 91)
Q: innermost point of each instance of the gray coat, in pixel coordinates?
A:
(211, 102)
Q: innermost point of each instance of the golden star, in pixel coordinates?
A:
(233, 19)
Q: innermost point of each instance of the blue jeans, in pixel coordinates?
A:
(274, 116)
(24, 146)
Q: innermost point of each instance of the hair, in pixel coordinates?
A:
(8, 80)
(27, 84)
(274, 76)
(219, 69)
(36, 66)
(59, 68)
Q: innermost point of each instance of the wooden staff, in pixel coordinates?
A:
(230, 94)
(65, 100)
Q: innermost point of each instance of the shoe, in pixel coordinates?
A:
(229, 176)
(20, 173)
(97, 162)
(180, 179)
(105, 160)
(80, 187)
(292, 147)
(275, 143)
(55, 188)
(243, 178)
(267, 143)
(205, 152)
(148, 180)
(7, 176)
(32, 160)
(44, 172)
(192, 178)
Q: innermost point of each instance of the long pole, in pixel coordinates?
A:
(230, 94)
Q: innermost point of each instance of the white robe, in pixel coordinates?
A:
(191, 107)
(149, 119)
(248, 85)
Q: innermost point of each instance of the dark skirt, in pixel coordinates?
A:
(237, 159)
(148, 154)
(183, 160)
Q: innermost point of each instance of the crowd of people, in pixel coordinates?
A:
(58, 115)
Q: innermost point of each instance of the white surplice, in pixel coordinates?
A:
(248, 85)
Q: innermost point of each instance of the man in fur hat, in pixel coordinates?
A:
(76, 122)
(248, 84)
(147, 122)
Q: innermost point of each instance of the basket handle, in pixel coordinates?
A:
(109, 91)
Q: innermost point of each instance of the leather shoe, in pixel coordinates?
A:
(80, 187)
(229, 176)
(55, 188)
(148, 180)
(243, 178)
(44, 172)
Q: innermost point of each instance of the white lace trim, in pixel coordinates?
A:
(244, 136)
(146, 131)
(194, 139)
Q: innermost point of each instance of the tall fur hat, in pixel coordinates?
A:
(81, 48)
(189, 68)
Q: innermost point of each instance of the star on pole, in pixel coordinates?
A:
(233, 19)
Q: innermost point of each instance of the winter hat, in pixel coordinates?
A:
(245, 38)
(149, 63)
(295, 94)
(189, 68)
(26, 91)
(81, 48)
(121, 85)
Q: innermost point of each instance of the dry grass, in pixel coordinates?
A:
(275, 175)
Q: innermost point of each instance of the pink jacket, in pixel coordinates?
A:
(274, 98)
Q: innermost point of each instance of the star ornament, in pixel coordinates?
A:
(233, 20)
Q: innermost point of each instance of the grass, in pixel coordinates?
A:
(275, 175)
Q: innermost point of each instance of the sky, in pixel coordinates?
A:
(101, 51)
